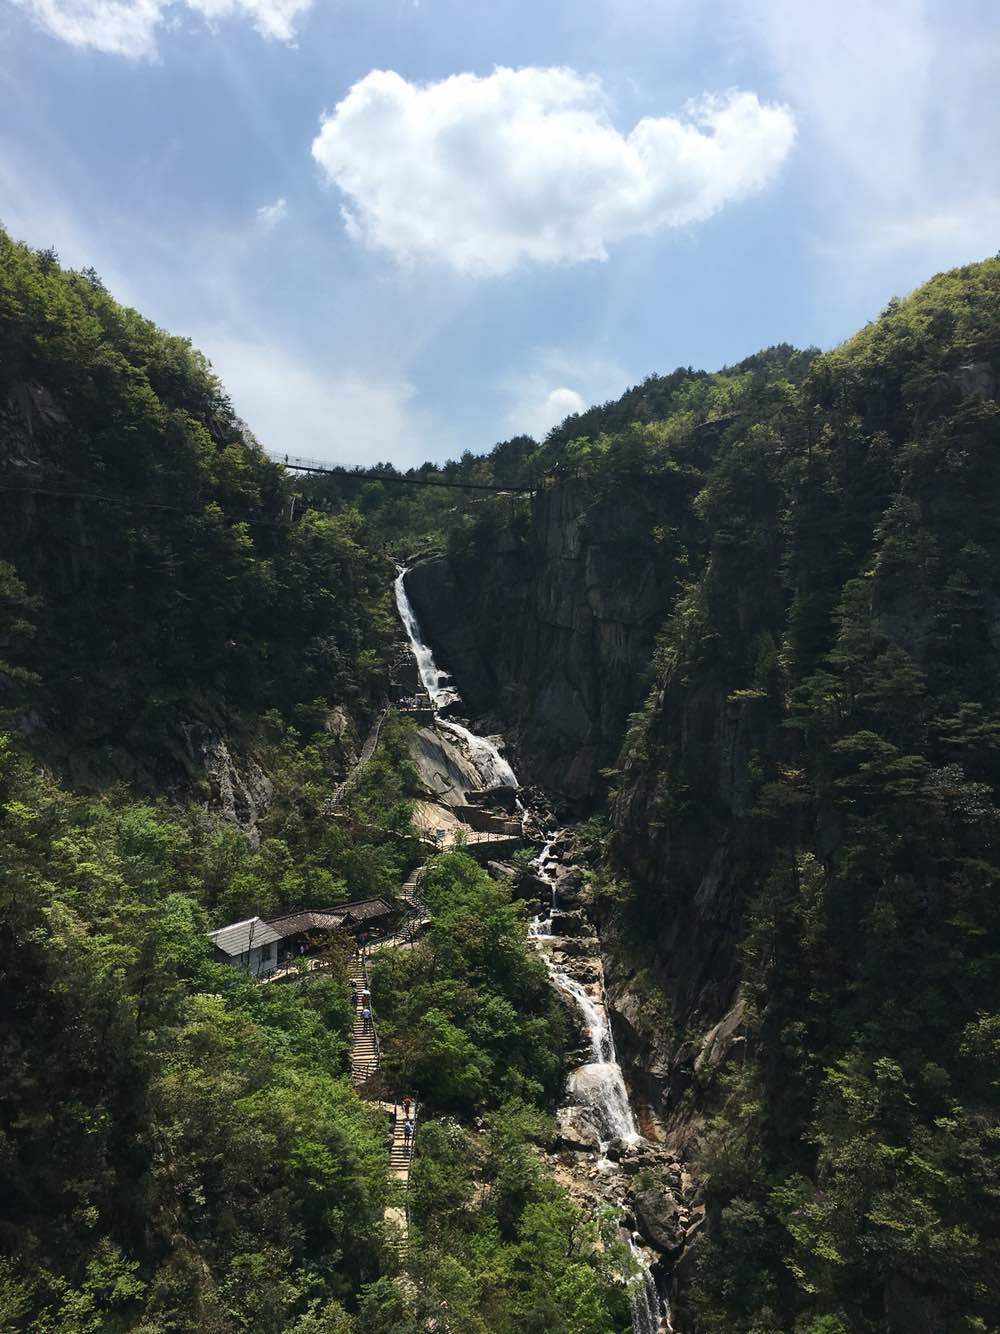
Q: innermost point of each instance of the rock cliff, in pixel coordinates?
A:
(552, 627)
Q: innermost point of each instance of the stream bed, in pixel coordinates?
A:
(596, 1113)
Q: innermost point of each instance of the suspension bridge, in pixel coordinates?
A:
(361, 473)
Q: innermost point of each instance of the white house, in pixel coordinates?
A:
(251, 945)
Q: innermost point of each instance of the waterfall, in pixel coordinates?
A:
(491, 766)
(435, 682)
(600, 1082)
(644, 1300)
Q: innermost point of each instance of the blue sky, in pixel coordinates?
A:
(400, 230)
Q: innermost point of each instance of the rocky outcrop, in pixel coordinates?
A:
(443, 769)
(658, 1215)
(554, 631)
(240, 793)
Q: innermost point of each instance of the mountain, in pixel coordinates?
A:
(194, 671)
(791, 582)
(741, 632)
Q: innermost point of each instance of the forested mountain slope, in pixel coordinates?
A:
(800, 895)
(163, 594)
(749, 622)
(185, 676)
(806, 809)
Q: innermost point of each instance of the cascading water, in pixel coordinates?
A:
(435, 682)
(491, 766)
(599, 1083)
(644, 1299)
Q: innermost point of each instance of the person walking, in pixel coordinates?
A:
(366, 1020)
(366, 997)
(354, 994)
(407, 1104)
(408, 1135)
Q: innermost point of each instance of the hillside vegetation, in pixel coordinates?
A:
(803, 813)
(185, 675)
(749, 621)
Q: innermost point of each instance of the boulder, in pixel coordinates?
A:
(569, 924)
(568, 896)
(501, 870)
(571, 948)
(502, 795)
(658, 1217)
(576, 1134)
(583, 970)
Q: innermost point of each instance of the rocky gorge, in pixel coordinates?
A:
(601, 1155)
(608, 1154)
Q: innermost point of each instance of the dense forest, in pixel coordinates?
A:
(799, 879)
(185, 674)
(787, 752)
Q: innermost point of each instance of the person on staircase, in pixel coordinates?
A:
(408, 1135)
(366, 1020)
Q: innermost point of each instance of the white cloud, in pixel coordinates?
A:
(966, 230)
(129, 27)
(269, 215)
(342, 418)
(890, 103)
(525, 165)
(858, 75)
(537, 414)
(271, 18)
(581, 378)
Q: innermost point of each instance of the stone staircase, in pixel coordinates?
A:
(401, 1153)
(364, 1046)
(365, 1062)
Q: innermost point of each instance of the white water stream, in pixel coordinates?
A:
(599, 1084)
(491, 766)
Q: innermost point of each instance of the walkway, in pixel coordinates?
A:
(366, 1058)
(367, 751)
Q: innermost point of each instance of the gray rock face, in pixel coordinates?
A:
(433, 590)
(503, 797)
(441, 766)
(576, 1133)
(554, 631)
(721, 1041)
(240, 793)
(658, 1216)
(569, 924)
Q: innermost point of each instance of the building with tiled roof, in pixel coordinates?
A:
(251, 945)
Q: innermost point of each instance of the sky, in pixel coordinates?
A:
(401, 229)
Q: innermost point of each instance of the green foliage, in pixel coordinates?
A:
(467, 1017)
(825, 702)
(180, 1149)
(149, 573)
(496, 1245)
